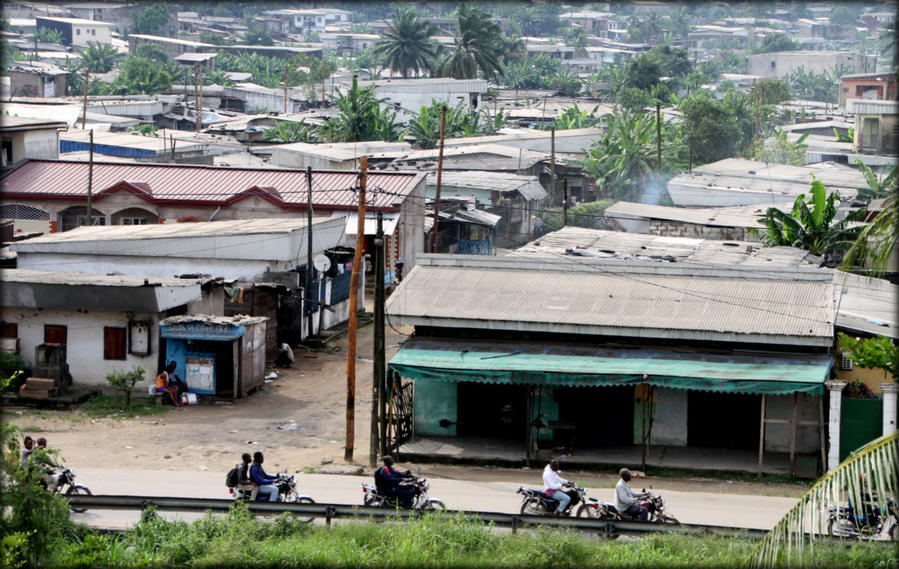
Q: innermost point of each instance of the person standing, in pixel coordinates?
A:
(554, 487)
(627, 502)
(28, 447)
(268, 492)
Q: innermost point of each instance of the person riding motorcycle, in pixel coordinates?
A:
(554, 488)
(628, 502)
(268, 492)
(387, 481)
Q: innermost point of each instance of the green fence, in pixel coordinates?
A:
(861, 421)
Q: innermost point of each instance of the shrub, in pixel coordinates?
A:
(124, 381)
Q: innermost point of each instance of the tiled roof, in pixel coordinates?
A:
(166, 183)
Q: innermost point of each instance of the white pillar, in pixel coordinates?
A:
(889, 406)
(833, 422)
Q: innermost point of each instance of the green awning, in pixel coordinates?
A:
(566, 366)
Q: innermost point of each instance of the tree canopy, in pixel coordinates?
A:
(150, 19)
(477, 46)
(407, 45)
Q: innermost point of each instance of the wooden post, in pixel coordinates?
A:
(309, 269)
(433, 247)
(552, 161)
(354, 301)
(379, 356)
(565, 205)
(793, 435)
(90, 175)
(87, 79)
(821, 426)
(199, 121)
(285, 90)
(762, 435)
(658, 139)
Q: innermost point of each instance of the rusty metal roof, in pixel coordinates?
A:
(210, 185)
(617, 298)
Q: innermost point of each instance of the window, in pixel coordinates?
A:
(77, 31)
(134, 221)
(95, 220)
(113, 343)
(54, 334)
(9, 330)
(93, 32)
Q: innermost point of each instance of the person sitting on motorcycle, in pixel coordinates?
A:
(46, 467)
(870, 513)
(387, 481)
(554, 484)
(244, 482)
(268, 492)
(627, 502)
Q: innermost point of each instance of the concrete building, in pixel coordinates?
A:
(343, 156)
(880, 86)
(36, 79)
(78, 32)
(173, 46)
(408, 96)
(108, 323)
(876, 126)
(679, 355)
(782, 63)
(23, 138)
(119, 15)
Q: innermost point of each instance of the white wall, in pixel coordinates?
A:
(84, 349)
(101, 34)
(670, 424)
(36, 144)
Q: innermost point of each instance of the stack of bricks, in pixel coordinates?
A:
(38, 387)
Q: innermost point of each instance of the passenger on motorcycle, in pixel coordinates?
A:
(387, 481)
(554, 484)
(627, 502)
(244, 482)
(49, 478)
(870, 513)
(268, 492)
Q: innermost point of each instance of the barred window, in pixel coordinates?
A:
(21, 211)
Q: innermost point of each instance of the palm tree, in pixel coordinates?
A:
(360, 117)
(623, 160)
(878, 187)
(99, 58)
(289, 131)
(869, 470)
(407, 44)
(876, 243)
(811, 224)
(479, 46)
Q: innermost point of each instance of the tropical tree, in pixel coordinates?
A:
(48, 35)
(777, 42)
(150, 19)
(360, 117)
(478, 46)
(710, 127)
(881, 186)
(878, 352)
(142, 76)
(152, 51)
(577, 39)
(876, 244)
(842, 16)
(99, 58)
(407, 45)
(575, 117)
(870, 470)
(425, 128)
(779, 149)
(290, 131)
(770, 91)
(811, 224)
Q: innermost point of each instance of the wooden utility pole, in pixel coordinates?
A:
(309, 268)
(90, 175)
(285, 91)
(379, 356)
(87, 79)
(433, 246)
(758, 100)
(199, 120)
(659, 138)
(565, 205)
(552, 163)
(354, 302)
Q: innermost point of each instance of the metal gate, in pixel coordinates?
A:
(399, 416)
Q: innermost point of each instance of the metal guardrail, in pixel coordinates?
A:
(334, 511)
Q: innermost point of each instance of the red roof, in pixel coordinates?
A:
(205, 185)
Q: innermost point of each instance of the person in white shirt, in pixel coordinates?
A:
(627, 501)
(554, 484)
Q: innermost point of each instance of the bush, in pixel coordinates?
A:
(124, 381)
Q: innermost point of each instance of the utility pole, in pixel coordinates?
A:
(87, 79)
(309, 268)
(199, 120)
(285, 90)
(354, 302)
(90, 175)
(659, 138)
(439, 180)
(565, 206)
(758, 100)
(552, 165)
(378, 439)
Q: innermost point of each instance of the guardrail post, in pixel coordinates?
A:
(515, 523)
(330, 511)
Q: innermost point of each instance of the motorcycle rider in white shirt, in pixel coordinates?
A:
(554, 484)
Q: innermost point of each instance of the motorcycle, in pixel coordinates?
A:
(537, 503)
(64, 483)
(653, 502)
(421, 500)
(287, 491)
(842, 521)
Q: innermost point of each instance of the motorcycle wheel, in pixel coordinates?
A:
(831, 528)
(78, 491)
(587, 512)
(894, 532)
(533, 507)
(668, 519)
(434, 505)
(304, 500)
(370, 501)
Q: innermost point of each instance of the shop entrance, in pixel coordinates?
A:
(598, 416)
(491, 410)
(723, 420)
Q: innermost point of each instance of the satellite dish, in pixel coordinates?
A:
(322, 263)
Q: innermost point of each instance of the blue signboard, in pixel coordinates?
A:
(202, 331)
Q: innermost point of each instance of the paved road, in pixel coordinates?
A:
(733, 510)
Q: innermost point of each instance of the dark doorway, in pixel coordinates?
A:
(599, 416)
(490, 410)
(723, 420)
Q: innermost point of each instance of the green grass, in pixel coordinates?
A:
(734, 476)
(113, 406)
(239, 540)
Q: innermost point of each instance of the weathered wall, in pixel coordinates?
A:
(680, 229)
(777, 435)
(435, 400)
(670, 424)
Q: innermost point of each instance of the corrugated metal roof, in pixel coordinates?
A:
(728, 216)
(75, 278)
(528, 186)
(210, 185)
(872, 107)
(589, 296)
(866, 305)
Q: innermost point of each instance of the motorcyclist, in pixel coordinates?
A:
(628, 502)
(869, 513)
(268, 492)
(387, 481)
(554, 486)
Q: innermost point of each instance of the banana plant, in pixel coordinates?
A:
(869, 470)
